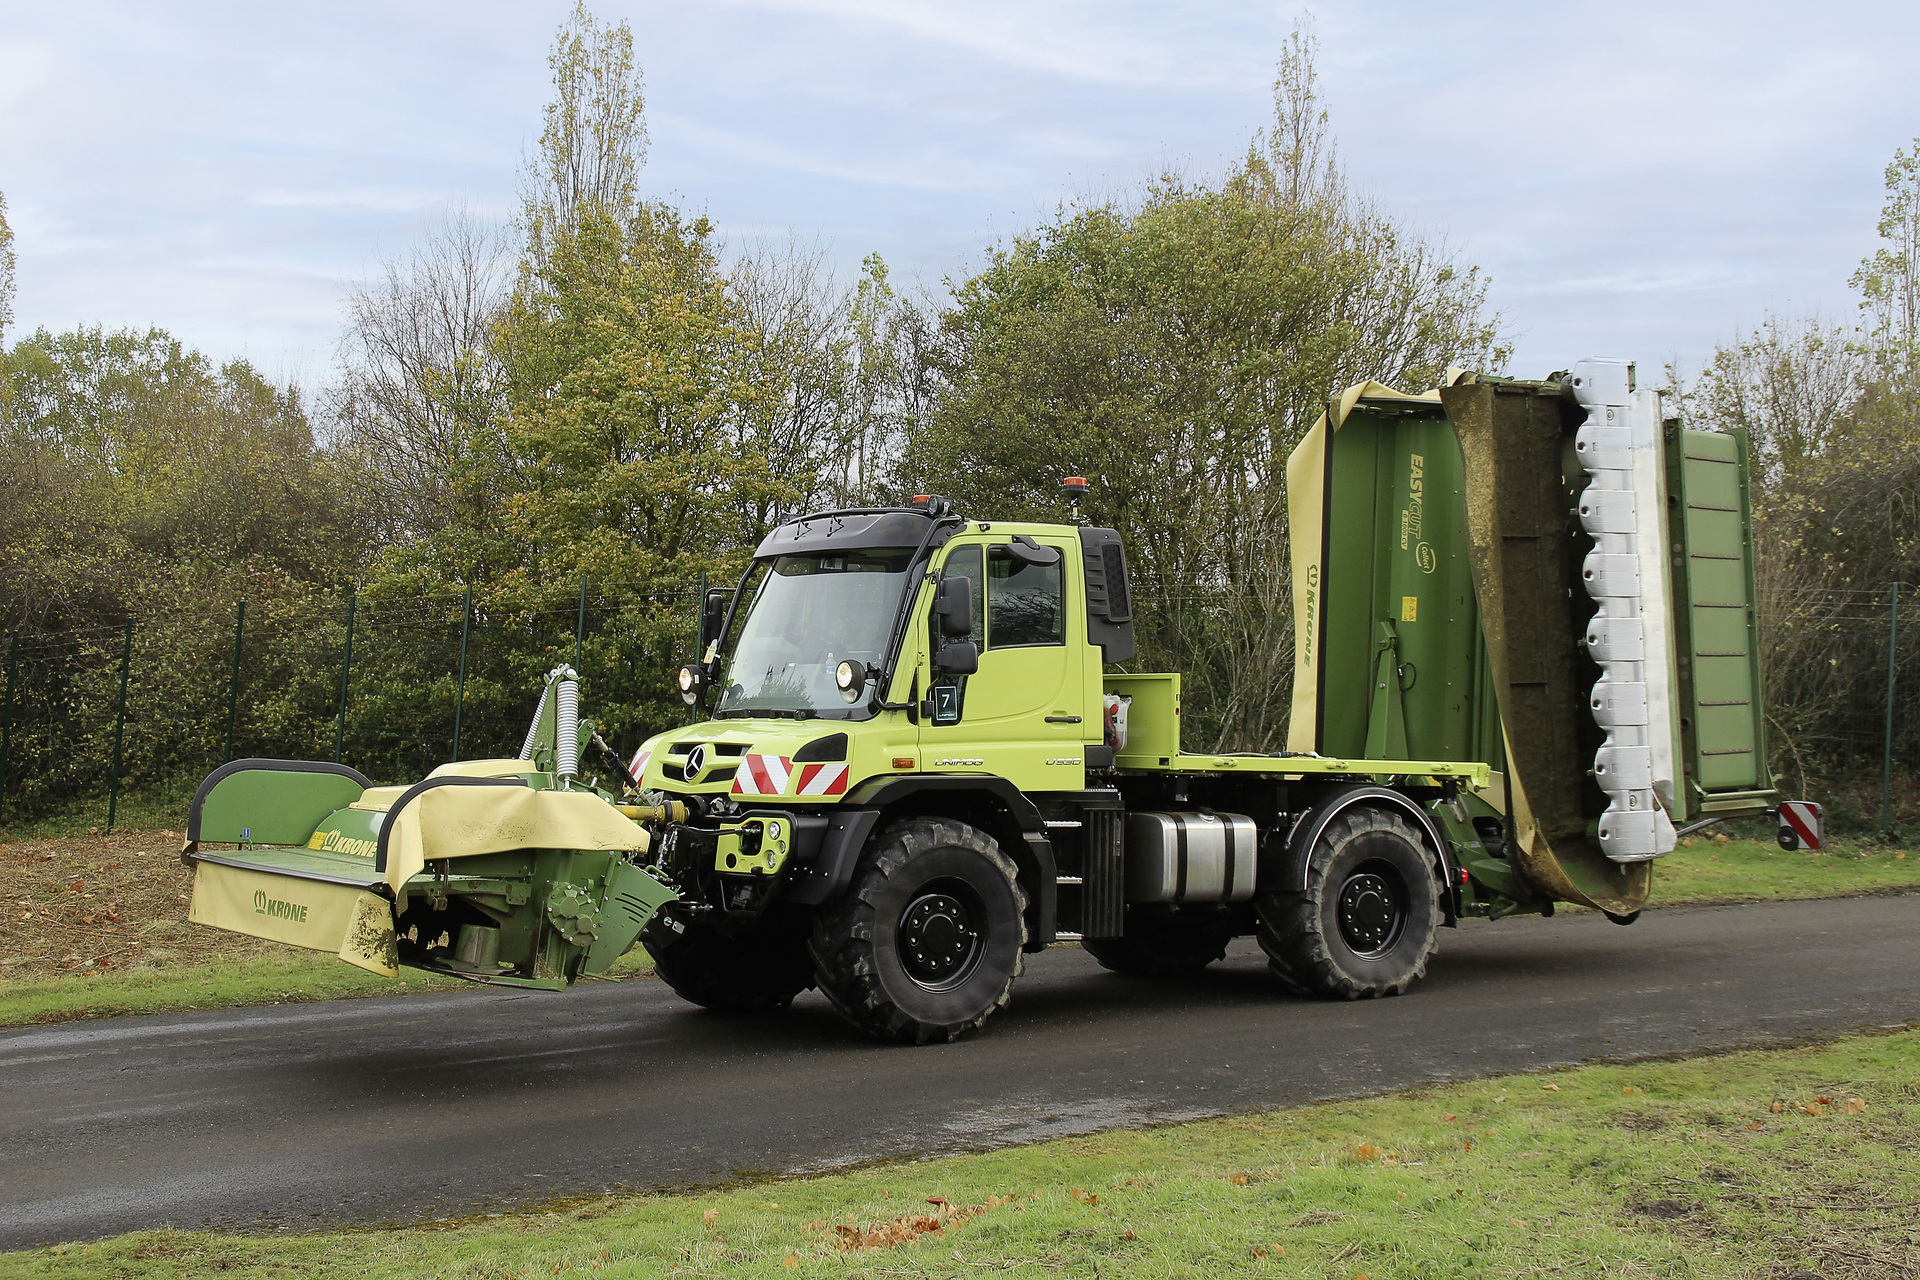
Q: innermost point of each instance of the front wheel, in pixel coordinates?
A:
(926, 943)
(1365, 925)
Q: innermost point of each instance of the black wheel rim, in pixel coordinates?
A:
(1372, 910)
(942, 934)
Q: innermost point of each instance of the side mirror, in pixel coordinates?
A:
(953, 606)
(713, 616)
(957, 658)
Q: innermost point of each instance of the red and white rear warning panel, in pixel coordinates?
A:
(1803, 825)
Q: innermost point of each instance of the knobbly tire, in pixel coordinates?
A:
(926, 942)
(1365, 925)
(739, 973)
(1162, 944)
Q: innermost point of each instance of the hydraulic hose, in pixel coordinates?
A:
(533, 730)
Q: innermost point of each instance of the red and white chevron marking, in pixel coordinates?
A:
(639, 765)
(762, 775)
(1807, 820)
(823, 780)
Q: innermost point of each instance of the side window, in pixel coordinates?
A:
(1025, 603)
(965, 562)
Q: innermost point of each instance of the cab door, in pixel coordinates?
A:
(1020, 714)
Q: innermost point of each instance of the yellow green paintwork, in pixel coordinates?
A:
(754, 846)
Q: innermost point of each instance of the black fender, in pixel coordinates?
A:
(1285, 868)
(849, 829)
(419, 789)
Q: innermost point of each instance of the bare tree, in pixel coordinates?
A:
(419, 379)
(6, 271)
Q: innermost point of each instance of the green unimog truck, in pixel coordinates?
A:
(1525, 660)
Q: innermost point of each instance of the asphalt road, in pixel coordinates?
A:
(394, 1110)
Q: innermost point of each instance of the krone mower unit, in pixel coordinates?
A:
(504, 871)
(1524, 662)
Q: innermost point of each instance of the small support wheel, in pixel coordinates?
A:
(727, 973)
(927, 941)
(1364, 927)
(1162, 944)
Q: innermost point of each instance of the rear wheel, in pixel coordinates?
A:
(1365, 925)
(1162, 944)
(927, 941)
(728, 973)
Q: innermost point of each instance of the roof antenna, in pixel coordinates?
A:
(1076, 488)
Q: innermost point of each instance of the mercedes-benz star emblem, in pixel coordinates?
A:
(696, 764)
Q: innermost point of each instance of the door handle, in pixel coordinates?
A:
(1063, 719)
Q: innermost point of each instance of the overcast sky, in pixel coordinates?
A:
(1639, 179)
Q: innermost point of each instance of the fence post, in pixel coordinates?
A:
(1886, 771)
(6, 715)
(233, 684)
(460, 693)
(346, 668)
(119, 727)
(580, 627)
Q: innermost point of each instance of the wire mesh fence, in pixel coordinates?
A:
(396, 686)
(391, 687)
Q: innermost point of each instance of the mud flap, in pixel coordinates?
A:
(345, 919)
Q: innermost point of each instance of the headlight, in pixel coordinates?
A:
(851, 677)
(691, 680)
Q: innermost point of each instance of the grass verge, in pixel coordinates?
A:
(1705, 871)
(283, 976)
(1789, 1163)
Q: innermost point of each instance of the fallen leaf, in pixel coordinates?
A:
(1258, 1251)
(1854, 1106)
(1081, 1195)
(707, 1216)
(1824, 1100)
(1515, 1222)
(1629, 1090)
(1367, 1151)
(931, 1199)
(1814, 1109)
(1755, 1124)
(791, 1260)
(1777, 1107)
(1240, 1179)
(1551, 1088)
(1449, 1117)
(1130, 1235)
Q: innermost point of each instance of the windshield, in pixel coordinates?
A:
(810, 613)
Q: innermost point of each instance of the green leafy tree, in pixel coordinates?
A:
(1888, 281)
